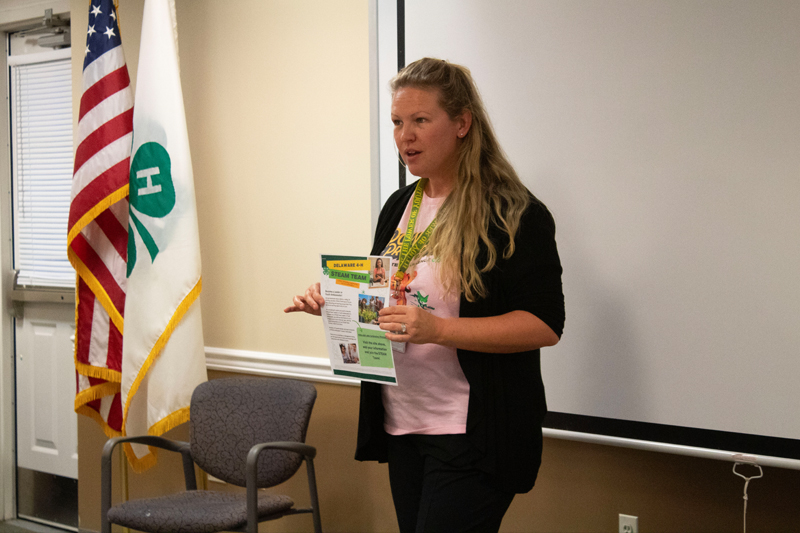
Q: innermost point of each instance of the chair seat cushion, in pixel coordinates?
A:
(194, 511)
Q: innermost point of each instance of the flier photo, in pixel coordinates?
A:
(355, 290)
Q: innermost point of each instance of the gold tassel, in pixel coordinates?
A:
(94, 415)
(98, 290)
(94, 212)
(181, 415)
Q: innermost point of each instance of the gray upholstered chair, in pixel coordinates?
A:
(248, 432)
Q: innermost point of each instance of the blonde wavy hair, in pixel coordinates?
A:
(487, 190)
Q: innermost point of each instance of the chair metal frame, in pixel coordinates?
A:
(251, 470)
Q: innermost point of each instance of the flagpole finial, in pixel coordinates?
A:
(116, 9)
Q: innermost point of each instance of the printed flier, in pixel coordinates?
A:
(355, 290)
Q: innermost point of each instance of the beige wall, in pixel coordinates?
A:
(277, 104)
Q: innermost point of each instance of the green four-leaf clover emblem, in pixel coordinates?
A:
(152, 193)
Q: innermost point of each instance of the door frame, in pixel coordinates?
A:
(12, 18)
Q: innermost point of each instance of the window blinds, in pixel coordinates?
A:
(41, 139)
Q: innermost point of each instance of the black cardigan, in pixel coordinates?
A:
(506, 395)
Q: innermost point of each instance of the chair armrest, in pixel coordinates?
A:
(308, 453)
(297, 447)
(157, 442)
(150, 440)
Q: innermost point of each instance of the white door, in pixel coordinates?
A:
(32, 331)
(40, 95)
(47, 426)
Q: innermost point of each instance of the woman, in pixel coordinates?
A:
(462, 430)
(345, 354)
(379, 273)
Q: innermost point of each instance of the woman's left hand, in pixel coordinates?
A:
(421, 327)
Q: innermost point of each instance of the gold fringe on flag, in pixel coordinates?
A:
(173, 419)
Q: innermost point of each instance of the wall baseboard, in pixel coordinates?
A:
(274, 364)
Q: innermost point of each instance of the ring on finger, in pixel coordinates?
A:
(403, 329)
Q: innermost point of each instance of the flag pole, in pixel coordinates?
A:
(122, 459)
(123, 467)
(116, 8)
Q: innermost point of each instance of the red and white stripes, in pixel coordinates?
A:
(98, 235)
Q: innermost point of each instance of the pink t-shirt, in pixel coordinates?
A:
(432, 394)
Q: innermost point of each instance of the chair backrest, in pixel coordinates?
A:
(229, 416)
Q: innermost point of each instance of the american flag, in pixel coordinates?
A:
(98, 218)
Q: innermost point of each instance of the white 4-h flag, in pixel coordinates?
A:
(163, 357)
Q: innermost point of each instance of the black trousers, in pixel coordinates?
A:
(436, 488)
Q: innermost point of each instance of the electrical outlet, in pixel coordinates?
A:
(628, 524)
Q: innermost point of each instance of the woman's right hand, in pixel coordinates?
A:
(311, 302)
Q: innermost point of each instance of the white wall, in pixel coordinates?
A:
(663, 137)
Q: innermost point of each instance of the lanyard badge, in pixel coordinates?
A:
(407, 251)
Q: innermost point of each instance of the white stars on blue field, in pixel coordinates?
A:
(102, 15)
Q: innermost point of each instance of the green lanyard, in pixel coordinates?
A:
(408, 252)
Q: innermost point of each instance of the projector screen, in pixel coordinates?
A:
(665, 139)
